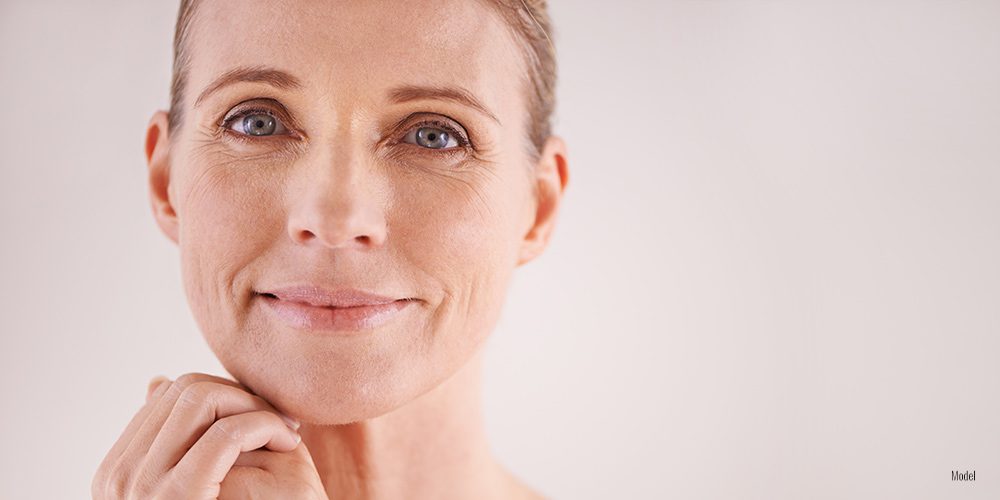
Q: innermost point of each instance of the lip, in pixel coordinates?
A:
(343, 310)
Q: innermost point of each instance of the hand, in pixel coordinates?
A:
(198, 438)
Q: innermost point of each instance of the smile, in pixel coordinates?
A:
(343, 312)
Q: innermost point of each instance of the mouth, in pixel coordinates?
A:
(342, 311)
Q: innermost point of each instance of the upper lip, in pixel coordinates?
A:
(322, 297)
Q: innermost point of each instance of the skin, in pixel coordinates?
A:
(344, 199)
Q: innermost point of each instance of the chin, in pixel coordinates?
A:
(331, 394)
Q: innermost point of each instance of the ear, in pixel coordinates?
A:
(550, 178)
(158, 160)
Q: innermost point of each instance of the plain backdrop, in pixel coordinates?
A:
(775, 275)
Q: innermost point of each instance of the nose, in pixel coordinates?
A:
(337, 204)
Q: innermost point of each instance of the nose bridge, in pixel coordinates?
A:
(338, 200)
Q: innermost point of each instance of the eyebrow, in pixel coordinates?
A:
(283, 80)
(273, 77)
(455, 94)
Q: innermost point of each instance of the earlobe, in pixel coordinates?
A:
(158, 161)
(550, 180)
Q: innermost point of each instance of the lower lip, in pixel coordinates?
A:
(333, 319)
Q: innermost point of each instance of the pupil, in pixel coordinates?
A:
(260, 123)
(432, 136)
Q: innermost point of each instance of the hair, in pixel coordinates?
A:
(528, 21)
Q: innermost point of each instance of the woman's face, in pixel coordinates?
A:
(375, 146)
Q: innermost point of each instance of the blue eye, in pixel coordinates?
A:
(257, 124)
(432, 138)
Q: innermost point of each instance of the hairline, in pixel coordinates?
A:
(537, 128)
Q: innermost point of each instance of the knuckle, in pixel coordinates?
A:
(175, 485)
(109, 484)
(145, 482)
(122, 481)
(116, 486)
(197, 394)
(112, 480)
(227, 429)
(272, 418)
(189, 378)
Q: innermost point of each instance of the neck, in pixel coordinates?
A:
(433, 447)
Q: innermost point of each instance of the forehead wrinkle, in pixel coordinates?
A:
(349, 53)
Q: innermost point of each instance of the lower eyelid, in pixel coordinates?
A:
(457, 154)
(276, 140)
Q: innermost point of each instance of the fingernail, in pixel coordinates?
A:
(294, 424)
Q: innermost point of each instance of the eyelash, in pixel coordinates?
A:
(227, 122)
(460, 138)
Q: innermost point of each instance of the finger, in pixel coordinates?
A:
(139, 418)
(258, 459)
(113, 455)
(138, 446)
(273, 460)
(196, 409)
(206, 464)
(292, 473)
(153, 385)
(242, 483)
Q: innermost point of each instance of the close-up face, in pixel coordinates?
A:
(370, 146)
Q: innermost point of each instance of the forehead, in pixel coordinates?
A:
(355, 47)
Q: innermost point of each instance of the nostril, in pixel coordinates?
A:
(338, 231)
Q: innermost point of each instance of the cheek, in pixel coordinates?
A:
(225, 222)
(457, 223)
(460, 229)
(452, 237)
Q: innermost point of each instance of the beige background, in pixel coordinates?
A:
(776, 275)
